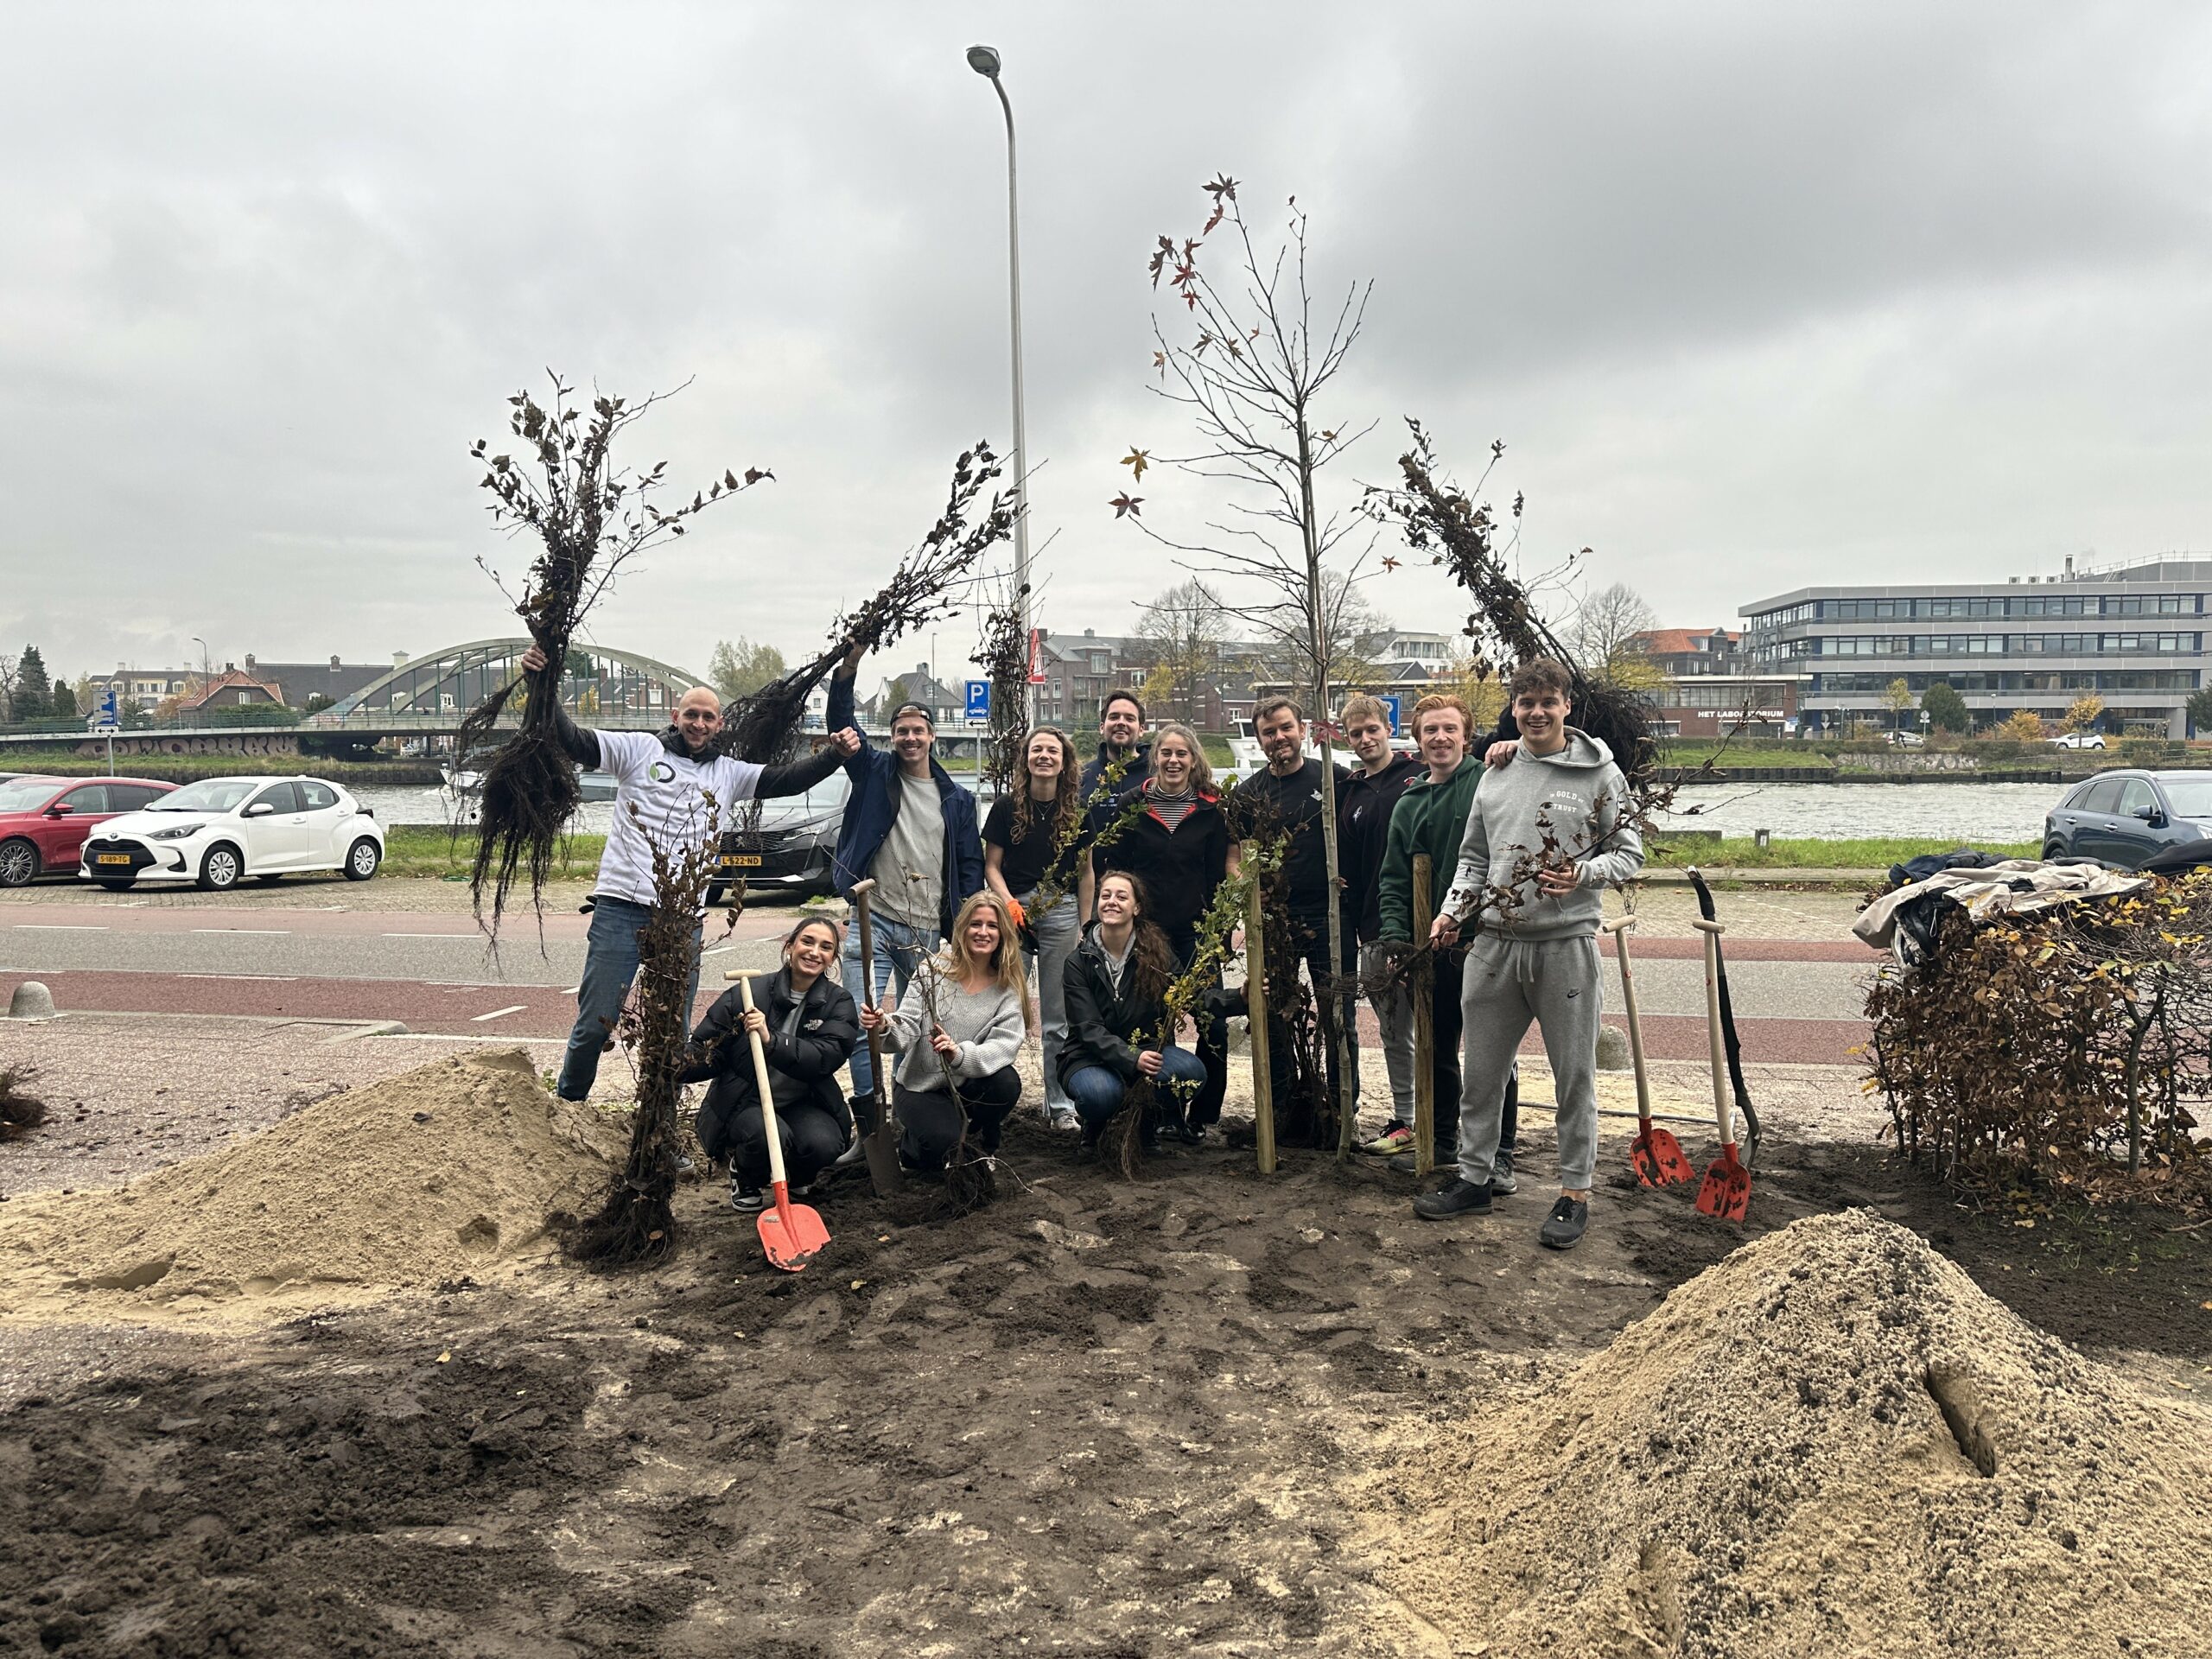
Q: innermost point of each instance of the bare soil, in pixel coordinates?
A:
(1099, 1417)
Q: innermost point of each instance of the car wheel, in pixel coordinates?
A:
(2055, 851)
(116, 887)
(362, 858)
(18, 863)
(220, 870)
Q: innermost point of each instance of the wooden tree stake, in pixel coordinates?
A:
(1256, 1011)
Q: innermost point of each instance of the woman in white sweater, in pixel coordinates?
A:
(957, 1033)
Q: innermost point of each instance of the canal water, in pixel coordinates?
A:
(1963, 812)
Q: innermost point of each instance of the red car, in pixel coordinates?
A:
(43, 821)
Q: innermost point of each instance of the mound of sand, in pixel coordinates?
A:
(1831, 1443)
(423, 1177)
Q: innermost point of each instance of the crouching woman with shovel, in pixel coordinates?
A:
(807, 1029)
(959, 1032)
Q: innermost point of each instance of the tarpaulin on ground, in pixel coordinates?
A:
(1907, 918)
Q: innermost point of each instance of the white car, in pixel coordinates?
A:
(2079, 740)
(221, 829)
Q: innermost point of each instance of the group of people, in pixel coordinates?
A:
(1096, 877)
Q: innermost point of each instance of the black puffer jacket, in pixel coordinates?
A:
(809, 1038)
(1105, 1026)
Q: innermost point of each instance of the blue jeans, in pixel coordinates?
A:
(610, 963)
(899, 950)
(1057, 936)
(1096, 1091)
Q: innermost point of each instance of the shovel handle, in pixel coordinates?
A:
(1620, 931)
(767, 1094)
(860, 891)
(1712, 931)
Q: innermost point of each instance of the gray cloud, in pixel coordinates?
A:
(1756, 294)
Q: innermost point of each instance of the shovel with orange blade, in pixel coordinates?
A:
(1725, 1192)
(791, 1234)
(1655, 1153)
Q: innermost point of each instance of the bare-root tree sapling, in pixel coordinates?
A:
(591, 515)
(637, 1221)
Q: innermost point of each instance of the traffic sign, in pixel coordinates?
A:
(108, 717)
(978, 703)
(1390, 706)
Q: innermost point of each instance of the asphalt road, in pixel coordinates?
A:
(1795, 1000)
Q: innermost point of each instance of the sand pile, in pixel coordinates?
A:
(423, 1177)
(1831, 1443)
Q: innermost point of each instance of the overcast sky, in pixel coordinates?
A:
(1756, 295)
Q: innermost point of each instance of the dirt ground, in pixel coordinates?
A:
(1099, 1417)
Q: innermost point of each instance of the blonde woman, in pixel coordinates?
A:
(1033, 842)
(957, 1031)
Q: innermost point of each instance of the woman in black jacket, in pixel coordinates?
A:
(809, 1029)
(1117, 982)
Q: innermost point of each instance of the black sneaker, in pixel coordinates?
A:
(1458, 1197)
(1502, 1185)
(747, 1199)
(1565, 1224)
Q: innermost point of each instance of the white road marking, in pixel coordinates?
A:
(272, 979)
(572, 990)
(61, 927)
(497, 1013)
(263, 932)
(429, 936)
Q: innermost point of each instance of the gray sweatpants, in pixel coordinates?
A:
(1509, 982)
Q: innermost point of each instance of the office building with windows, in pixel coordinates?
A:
(2133, 634)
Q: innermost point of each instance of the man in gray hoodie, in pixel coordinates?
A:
(1548, 829)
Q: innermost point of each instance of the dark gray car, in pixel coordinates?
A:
(2122, 818)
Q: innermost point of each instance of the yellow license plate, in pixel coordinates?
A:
(741, 861)
(111, 858)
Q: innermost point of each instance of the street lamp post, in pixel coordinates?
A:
(202, 644)
(984, 60)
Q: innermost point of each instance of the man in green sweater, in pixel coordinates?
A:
(1431, 817)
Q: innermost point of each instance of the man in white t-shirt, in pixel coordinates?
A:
(668, 778)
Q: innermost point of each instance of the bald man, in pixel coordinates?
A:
(662, 786)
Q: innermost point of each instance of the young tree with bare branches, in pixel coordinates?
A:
(1251, 372)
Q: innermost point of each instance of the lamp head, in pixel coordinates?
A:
(984, 60)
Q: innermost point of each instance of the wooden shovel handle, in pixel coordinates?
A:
(1620, 930)
(1712, 931)
(760, 1081)
(867, 921)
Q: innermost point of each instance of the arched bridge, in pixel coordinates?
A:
(613, 691)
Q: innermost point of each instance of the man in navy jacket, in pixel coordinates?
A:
(913, 829)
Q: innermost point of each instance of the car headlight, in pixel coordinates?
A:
(178, 834)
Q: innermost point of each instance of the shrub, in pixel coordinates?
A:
(2055, 1045)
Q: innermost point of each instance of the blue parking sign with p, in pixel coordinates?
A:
(1390, 706)
(979, 699)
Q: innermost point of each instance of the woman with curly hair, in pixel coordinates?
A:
(1034, 842)
(1117, 984)
(957, 1031)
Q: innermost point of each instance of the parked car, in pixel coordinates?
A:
(44, 821)
(222, 830)
(2079, 740)
(790, 849)
(2123, 818)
